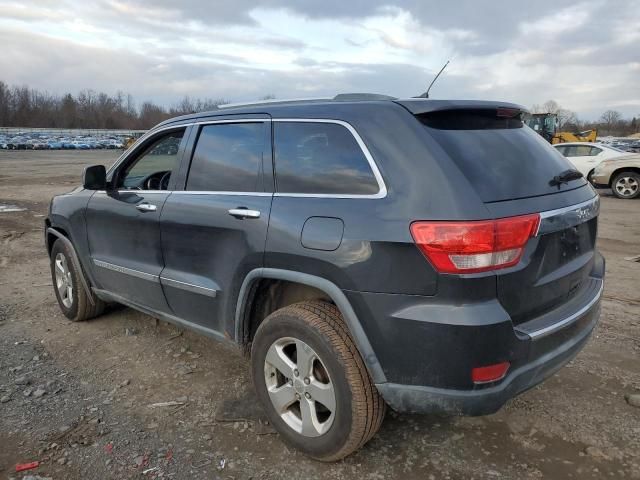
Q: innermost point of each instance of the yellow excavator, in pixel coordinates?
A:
(546, 124)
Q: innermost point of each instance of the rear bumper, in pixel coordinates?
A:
(427, 350)
(421, 399)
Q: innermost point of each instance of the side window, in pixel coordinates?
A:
(228, 158)
(562, 150)
(595, 151)
(582, 150)
(151, 169)
(320, 158)
(570, 151)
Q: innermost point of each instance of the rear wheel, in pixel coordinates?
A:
(626, 185)
(72, 298)
(313, 383)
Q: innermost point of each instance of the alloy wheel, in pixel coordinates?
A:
(64, 281)
(626, 186)
(299, 387)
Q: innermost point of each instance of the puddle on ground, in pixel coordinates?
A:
(10, 208)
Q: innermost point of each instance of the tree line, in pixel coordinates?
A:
(611, 122)
(21, 106)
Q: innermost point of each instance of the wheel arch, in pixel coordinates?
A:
(620, 170)
(59, 235)
(332, 291)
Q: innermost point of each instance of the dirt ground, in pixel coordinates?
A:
(77, 397)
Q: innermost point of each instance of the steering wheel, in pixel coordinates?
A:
(155, 181)
(164, 181)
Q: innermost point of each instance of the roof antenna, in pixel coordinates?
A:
(426, 94)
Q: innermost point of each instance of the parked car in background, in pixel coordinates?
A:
(586, 156)
(17, 143)
(621, 175)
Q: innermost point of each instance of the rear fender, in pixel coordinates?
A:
(337, 296)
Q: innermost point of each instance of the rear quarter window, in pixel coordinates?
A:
(320, 158)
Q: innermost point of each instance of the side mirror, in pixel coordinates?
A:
(95, 177)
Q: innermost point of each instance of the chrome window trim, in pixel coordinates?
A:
(127, 153)
(561, 218)
(562, 323)
(189, 287)
(127, 271)
(135, 190)
(382, 188)
(212, 192)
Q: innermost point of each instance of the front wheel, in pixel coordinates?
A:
(313, 383)
(626, 185)
(72, 299)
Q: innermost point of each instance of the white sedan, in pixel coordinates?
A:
(586, 156)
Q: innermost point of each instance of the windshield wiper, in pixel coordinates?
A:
(565, 177)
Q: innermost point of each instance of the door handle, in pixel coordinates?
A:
(242, 212)
(146, 207)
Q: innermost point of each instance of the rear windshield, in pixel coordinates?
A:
(501, 157)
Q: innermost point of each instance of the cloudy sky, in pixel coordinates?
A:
(585, 55)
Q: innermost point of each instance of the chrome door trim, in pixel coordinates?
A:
(146, 207)
(212, 192)
(566, 217)
(189, 287)
(244, 213)
(382, 187)
(127, 271)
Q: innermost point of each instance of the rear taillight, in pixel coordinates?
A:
(476, 246)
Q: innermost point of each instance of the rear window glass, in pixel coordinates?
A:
(500, 157)
(228, 158)
(320, 158)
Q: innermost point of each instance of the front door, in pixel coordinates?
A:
(214, 231)
(123, 222)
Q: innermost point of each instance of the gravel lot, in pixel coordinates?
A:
(77, 397)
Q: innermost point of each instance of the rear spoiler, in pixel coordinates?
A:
(419, 106)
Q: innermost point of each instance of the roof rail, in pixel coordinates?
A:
(354, 97)
(273, 100)
(341, 97)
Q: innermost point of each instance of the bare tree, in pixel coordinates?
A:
(610, 119)
(25, 107)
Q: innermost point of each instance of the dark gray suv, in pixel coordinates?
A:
(432, 256)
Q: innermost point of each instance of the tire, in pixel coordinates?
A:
(353, 409)
(626, 185)
(72, 298)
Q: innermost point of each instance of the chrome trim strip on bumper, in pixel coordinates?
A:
(127, 271)
(563, 323)
(189, 287)
(561, 218)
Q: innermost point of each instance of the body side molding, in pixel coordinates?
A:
(332, 290)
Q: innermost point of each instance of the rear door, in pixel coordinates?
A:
(512, 169)
(214, 230)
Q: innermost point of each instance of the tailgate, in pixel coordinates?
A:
(557, 263)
